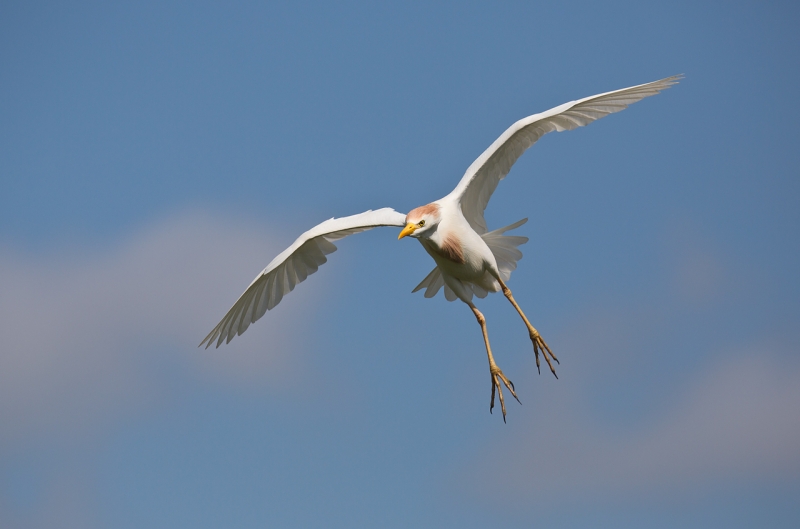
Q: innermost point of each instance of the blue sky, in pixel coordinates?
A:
(155, 156)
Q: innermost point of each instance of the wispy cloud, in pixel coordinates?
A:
(729, 414)
(734, 421)
(88, 338)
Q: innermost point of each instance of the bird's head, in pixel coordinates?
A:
(421, 220)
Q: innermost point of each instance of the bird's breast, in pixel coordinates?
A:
(448, 248)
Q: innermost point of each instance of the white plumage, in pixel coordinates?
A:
(470, 260)
(293, 266)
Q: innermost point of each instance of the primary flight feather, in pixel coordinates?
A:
(470, 260)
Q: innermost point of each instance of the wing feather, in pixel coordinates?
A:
(479, 182)
(291, 267)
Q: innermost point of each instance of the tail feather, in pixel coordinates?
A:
(432, 281)
(504, 248)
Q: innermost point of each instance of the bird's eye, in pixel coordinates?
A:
(421, 223)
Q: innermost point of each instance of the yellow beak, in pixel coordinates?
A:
(408, 230)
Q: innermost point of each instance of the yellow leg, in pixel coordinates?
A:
(538, 343)
(494, 371)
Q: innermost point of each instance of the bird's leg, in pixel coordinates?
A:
(495, 372)
(538, 342)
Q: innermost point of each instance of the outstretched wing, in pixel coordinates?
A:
(482, 177)
(292, 266)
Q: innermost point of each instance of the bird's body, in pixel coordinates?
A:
(459, 252)
(470, 260)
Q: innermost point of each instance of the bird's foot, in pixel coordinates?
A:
(539, 345)
(497, 376)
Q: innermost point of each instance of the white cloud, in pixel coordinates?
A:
(87, 338)
(738, 422)
(735, 419)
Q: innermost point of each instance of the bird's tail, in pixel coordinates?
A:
(504, 248)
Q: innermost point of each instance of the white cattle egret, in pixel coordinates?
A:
(470, 259)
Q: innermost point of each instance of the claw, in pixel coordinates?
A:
(497, 375)
(502, 401)
(551, 352)
(491, 403)
(540, 345)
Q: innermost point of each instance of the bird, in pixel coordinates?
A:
(471, 261)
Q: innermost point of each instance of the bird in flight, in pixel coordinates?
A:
(470, 259)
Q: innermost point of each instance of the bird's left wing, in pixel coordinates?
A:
(481, 179)
(292, 266)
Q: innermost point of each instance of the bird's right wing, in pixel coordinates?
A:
(481, 179)
(292, 266)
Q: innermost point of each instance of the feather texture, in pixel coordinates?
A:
(479, 182)
(504, 248)
(293, 266)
